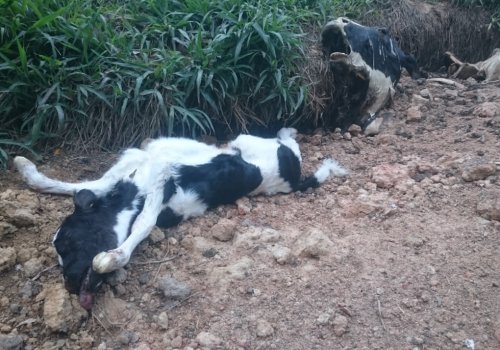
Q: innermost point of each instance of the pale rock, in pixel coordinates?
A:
(25, 254)
(413, 114)
(488, 206)
(389, 175)
(197, 244)
(355, 130)
(61, 311)
(6, 229)
(323, 319)
(477, 170)
(7, 258)
(340, 324)
(281, 254)
(264, 329)
(208, 340)
(173, 289)
(11, 342)
(253, 235)
(163, 320)
(22, 218)
(487, 110)
(32, 267)
(425, 93)
(156, 235)
(223, 230)
(313, 243)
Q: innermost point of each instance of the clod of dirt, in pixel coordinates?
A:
(7, 258)
(127, 337)
(163, 320)
(487, 110)
(282, 255)
(11, 342)
(173, 289)
(477, 170)
(413, 115)
(208, 340)
(314, 244)
(488, 206)
(22, 218)
(61, 311)
(156, 235)
(117, 277)
(264, 329)
(224, 230)
(32, 267)
(254, 235)
(6, 228)
(340, 324)
(389, 175)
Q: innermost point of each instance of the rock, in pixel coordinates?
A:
(32, 267)
(313, 243)
(197, 244)
(7, 258)
(355, 130)
(323, 319)
(223, 230)
(488, 206)
(425, 93)
(374, 127)
(413, 114)
(127, 337)
(477, 170)
(117, 277)
(487, 110)
(11, 342)
(61, 312)
(22, 218)
(264, 329)
(340, 324)
(156, 235)
(208, 340)
(176, 342)
(25, 254)
(6, 229)
(389, 175)
(173, 289)
(163, 320)
(281, 254)
(251, 236)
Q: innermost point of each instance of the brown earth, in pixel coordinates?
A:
(403, 254)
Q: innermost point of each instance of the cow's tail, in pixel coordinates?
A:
(328, 168)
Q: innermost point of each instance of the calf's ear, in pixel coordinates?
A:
(85, 200)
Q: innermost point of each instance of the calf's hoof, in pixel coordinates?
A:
(109, 261)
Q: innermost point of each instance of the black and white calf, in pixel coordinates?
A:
(170, 180)
(366, 63)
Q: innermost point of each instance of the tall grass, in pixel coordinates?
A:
(491, 5)
(111, 72)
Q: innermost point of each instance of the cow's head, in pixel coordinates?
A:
(88, 231)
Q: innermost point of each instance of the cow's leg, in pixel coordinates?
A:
(126, 165)
(114, 259)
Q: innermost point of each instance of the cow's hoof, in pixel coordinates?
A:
(24, 166)
(109, 261)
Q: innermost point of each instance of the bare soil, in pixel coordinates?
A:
(402, 254)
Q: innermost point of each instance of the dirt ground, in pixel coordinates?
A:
(402, 254)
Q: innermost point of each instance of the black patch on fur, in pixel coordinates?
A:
(308, 182)
(289, 166)
(168, 190)
(223, 180)
(89, 231)
(168, 218)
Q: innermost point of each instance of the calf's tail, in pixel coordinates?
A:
(328, 168)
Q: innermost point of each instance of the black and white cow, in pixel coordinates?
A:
(366, 63)
(170, 180)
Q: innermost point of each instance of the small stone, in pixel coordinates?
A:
(156, 235)
(389, 175)
(355, 130)
(61, 312)
(7, 258)
(102, 346)
(425, 93)
(6, 228)
(413, 114)
(281, 254)
(163, 320)
(340, 324)
(32, 267)
(22, 218)
(313, 243)
(173, 289)
(117, 277)
(126, 337)
(223, 230)
(176, 342)
(477, 170)
(208, 340)
(264, 329)
(488, 206)
(347, 136)
(11, 342)
(323, 319)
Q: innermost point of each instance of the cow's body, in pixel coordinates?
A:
(366, 63)
(170, 180)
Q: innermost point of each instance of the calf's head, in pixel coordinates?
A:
(82, 235)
